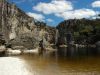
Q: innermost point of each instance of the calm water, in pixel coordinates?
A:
(68, 61)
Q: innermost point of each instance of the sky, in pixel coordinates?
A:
(54, 11)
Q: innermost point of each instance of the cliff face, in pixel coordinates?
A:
(65, 32)
(80, 31)
(19, 29)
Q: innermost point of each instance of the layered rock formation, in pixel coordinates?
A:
(18, 29)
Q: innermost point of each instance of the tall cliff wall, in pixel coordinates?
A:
(18, 28)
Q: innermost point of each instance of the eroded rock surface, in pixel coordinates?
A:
(19, 29)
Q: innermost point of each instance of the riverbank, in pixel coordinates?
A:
(19, 50)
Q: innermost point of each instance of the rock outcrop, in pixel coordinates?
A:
(18, 29)
(79, 31)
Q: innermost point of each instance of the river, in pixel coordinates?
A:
(63, 62)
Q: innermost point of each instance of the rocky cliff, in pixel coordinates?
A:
(17, 28)
(79, 31)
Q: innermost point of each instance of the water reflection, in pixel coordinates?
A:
(62, 62)
(78, 52)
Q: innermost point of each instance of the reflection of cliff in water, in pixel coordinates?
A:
(77, 52)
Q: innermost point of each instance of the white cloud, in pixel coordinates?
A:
(96, 4)
(55, 6)
(50, 20)
(96, 17)
(64, 9)
(36, 16)
(78, 14)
